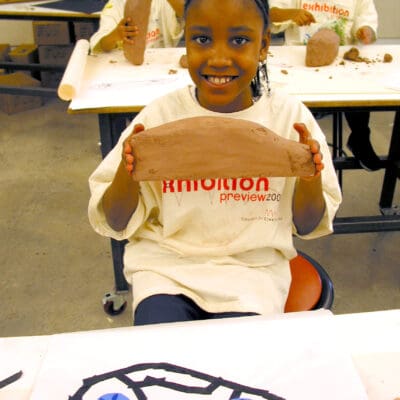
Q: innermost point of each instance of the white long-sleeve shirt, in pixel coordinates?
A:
(225, 243)
(165, 28)
(345, 17)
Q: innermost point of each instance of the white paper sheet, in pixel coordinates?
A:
(295, 358)
(23, 354)
(109, 80)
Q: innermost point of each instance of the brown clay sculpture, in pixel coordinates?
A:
(216, 147)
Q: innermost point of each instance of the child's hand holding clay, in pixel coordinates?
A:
(127, 152)
(305, 138)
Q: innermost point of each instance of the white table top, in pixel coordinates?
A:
(351, 84)
(344, 82)
(312, 354)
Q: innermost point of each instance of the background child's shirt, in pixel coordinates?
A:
(345, 17)
(225, 243)
(165, 29)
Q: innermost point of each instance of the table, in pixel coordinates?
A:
(336, 88)
(311, 354)
(349, 86)
(34, 11)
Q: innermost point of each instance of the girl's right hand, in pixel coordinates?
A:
(127, 153)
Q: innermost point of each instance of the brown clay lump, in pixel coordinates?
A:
(183, 61)
(322, 48)
(353, 54)
(216, 147)
(387, 58)
(138, 11)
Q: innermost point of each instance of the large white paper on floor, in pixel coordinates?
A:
(295, 357)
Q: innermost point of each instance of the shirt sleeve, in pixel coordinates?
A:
(171, 25)
(277, 27)
(101, 179)
(110, 17)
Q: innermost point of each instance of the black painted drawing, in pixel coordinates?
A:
(149, 381)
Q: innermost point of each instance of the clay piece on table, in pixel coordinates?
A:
(139, 12)
(183, 61)
(353, 54)
(322, 48)
(387, 58)
(216, 147)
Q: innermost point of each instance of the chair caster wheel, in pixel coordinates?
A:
(114, 304)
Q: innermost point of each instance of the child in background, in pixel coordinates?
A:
(194, 252)
(352, 20)
(165, 25)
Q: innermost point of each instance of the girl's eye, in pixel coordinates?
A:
(238, 41)
(202, 39)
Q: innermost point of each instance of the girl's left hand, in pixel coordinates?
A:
(305, 138)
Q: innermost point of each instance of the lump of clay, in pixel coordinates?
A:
(353, 54)
(183, 62)
(387, 58)
(322, 48)
(216, 147)
(139, 12)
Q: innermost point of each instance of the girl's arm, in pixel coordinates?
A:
(297, 15)
(122, 196)
(308, 200)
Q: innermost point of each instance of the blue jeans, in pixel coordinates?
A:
(175, 308)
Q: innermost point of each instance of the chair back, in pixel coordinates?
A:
(311, 287)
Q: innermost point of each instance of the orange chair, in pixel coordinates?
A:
(311, 286)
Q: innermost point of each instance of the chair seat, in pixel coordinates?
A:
(306, 287)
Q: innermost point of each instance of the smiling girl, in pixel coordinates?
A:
(191, 256)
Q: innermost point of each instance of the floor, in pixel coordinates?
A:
(55, 269)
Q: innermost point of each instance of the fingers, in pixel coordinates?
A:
(303, 132)
(127, 153)
(305, 138)
(138, 128)
(304, 18)
(127, 30)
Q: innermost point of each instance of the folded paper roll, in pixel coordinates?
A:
(72, 78)
(217, 147)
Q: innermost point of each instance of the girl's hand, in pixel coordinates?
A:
(366, 35)
(305, 138)
(127, 30)
(127, 152)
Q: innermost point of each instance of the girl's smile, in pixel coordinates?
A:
(219, 80)
(224, 48)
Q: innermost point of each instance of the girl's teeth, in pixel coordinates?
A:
(219, 80)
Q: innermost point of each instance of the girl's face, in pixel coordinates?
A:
(225, 40)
